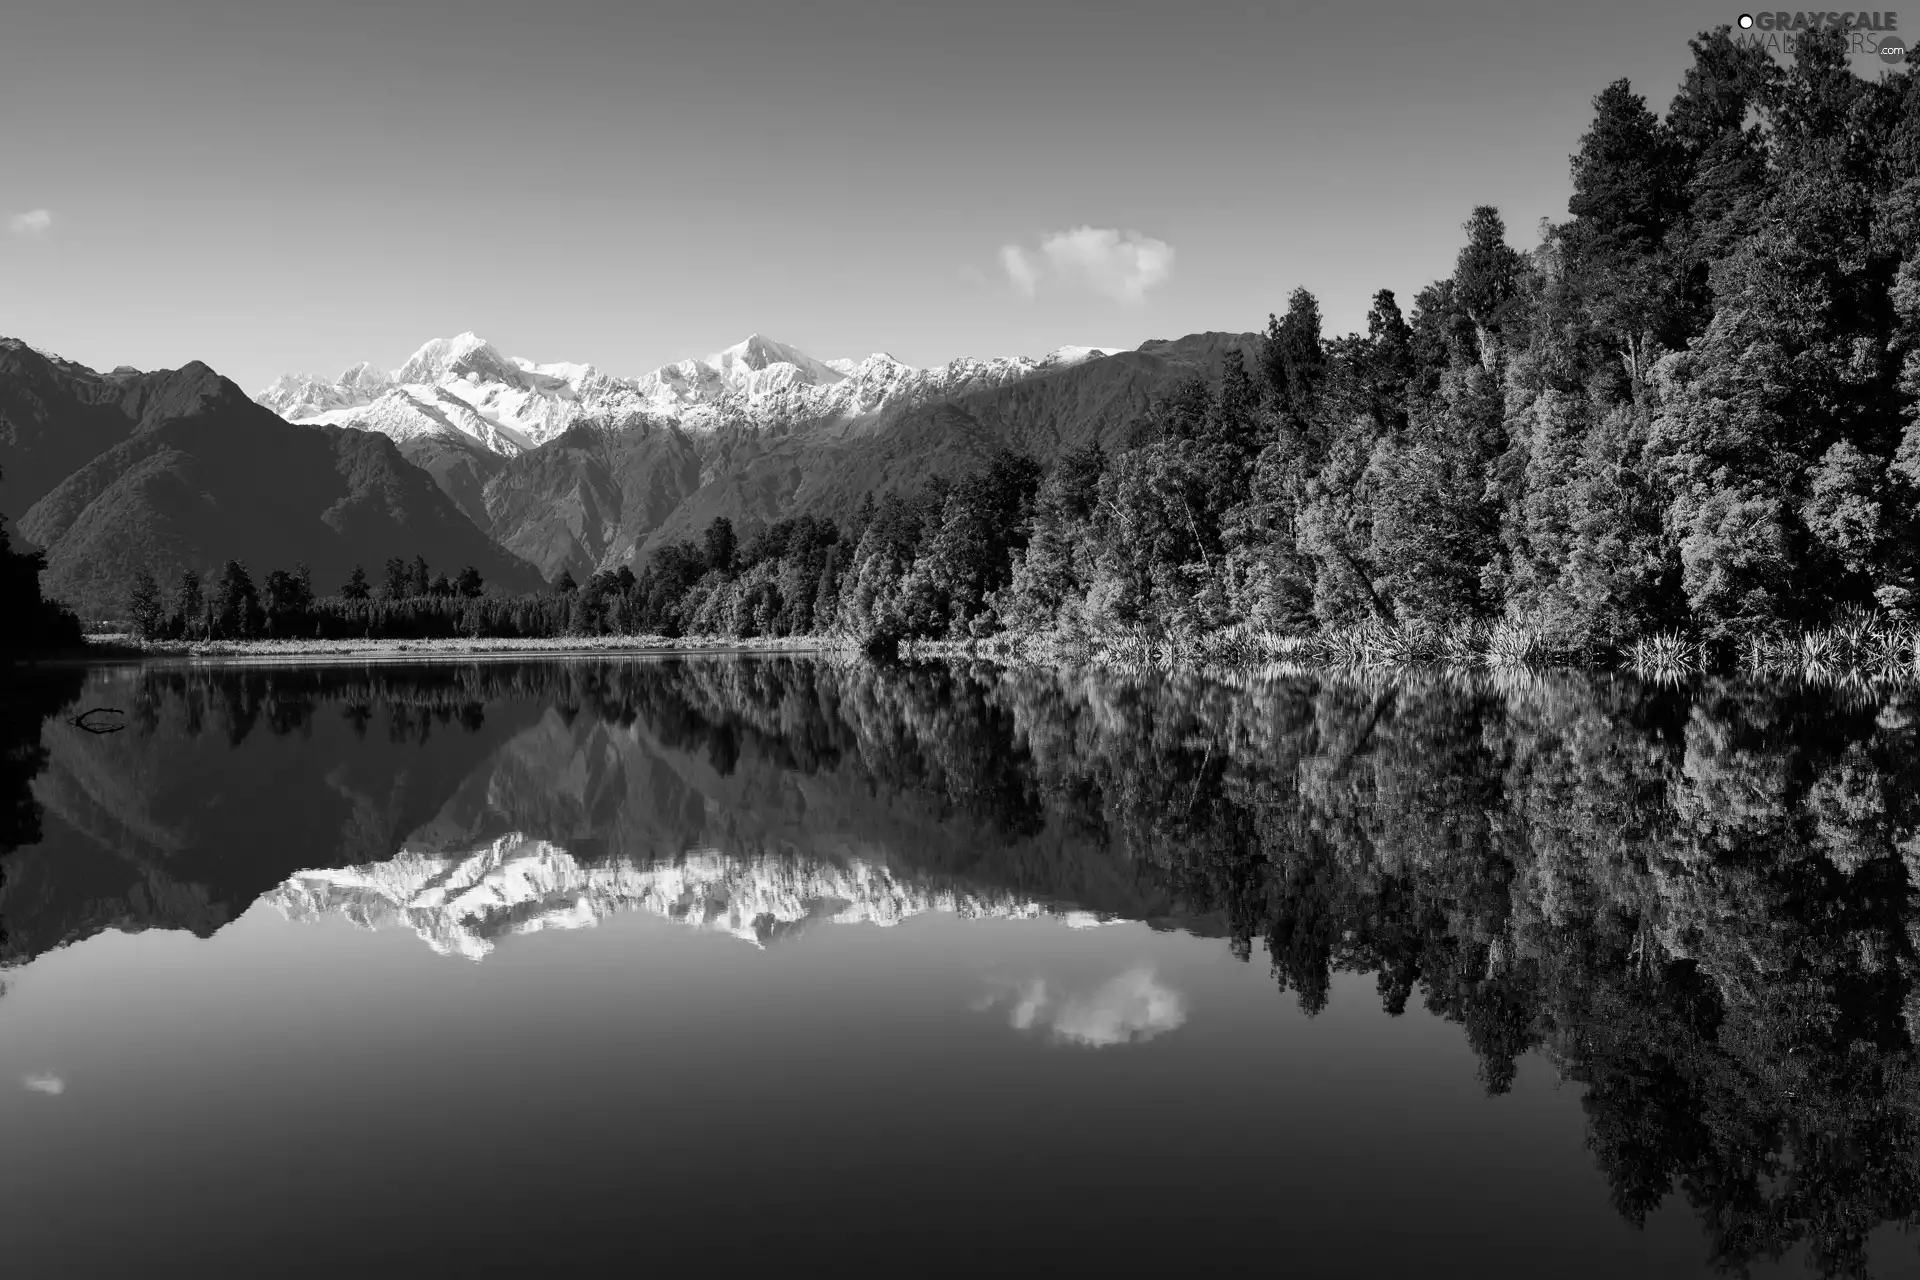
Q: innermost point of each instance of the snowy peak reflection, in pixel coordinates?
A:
(464, 905)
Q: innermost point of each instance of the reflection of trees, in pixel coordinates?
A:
(1696, 903)
(27, 697)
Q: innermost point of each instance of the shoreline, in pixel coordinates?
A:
(103, 649)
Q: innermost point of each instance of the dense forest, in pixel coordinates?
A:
(1691, 408)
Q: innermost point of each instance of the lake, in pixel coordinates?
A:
(797, 962)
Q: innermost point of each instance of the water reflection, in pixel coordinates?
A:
(515, 885)
(1697, 903)
(1133, 1006)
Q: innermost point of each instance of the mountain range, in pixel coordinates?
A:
(573, 468)
(465, 456)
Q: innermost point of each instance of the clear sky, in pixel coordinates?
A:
(275, 187)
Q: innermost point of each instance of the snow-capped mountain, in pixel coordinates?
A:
(298, 398)
(463, 387)
(461, 905)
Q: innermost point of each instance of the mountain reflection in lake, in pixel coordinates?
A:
(1550, 976)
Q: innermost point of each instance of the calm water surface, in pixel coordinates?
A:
(776, 962)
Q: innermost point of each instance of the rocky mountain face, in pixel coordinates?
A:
(576, 469)
(178, 469)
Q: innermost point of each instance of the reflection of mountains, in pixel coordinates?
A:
(231, 781)
(461, 905)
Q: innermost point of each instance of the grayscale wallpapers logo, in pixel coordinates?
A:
(1866, 32)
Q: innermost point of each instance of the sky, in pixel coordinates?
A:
(274, 187)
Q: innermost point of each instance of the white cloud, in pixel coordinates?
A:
(31, 223)
(1133, 1007)
(44, 1084)
(1117, 264)
(1019, 270)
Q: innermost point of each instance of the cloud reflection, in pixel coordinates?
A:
(1135, 1006)
(44, 1084)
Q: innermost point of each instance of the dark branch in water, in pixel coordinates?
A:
(80, 721)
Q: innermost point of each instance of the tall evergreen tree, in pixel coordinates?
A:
(144, 607)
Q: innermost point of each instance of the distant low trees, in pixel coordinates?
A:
(284, 605)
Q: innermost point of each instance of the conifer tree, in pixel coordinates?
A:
(144, 608)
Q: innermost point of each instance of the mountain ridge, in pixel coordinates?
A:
(528, 403)
(539, 455)
(175, 469)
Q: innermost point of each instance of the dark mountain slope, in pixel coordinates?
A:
(460, 466)
(54, 416)
(207, 475)
(590, 494)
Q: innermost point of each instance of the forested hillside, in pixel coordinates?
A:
(1691, 407)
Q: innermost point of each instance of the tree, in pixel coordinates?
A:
(286, 598)
(564, 584)
(144, 608)
(189, 603)
(721, 544)
(356, 587)
(468, 584)
(1293, 361)
(419, 582)
(399, 576)
(236, 604)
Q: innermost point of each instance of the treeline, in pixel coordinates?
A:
(410, 602)
(782, 581)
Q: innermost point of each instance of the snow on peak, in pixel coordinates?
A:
(463, 385)
(457, 357)
(760, 352)
(1062, 356)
